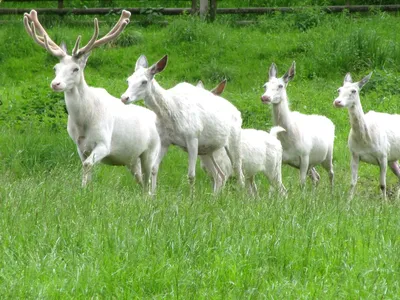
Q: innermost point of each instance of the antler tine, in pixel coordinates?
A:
(29, 29)
(76, 52)
(56, 51)
(26, 24)
(42, 38)
(34, 19)
(76, 47)
(35, 37)
(125, 15)
(114, 33)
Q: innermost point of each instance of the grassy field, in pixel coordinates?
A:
(109, 241)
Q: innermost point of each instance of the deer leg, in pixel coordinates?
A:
(147, 163)
(394, 166)
(355, 160)
(98, 153)
(315, 177)
(304, 161)
(192, 148)
(209, 168)
(234, 151)
(218, 170)
(136, 171)
(382, 178)
(275, 181)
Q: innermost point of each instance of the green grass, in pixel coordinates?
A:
(109, 241)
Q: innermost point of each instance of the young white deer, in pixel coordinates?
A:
(374, 137)
(308, 139)
(103, 129)
(193, 119)
(261, 153)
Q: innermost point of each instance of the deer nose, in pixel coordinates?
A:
(337, 103)
(55, 85)
(124, 98)
(265, 99)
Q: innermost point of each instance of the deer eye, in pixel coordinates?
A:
(75, 70)
(338, 90)
(353, 91)
(144, 82)
(280, 86)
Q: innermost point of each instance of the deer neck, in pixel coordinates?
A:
(357, 122)
(157, 100)
(79, 100)
(281, 113)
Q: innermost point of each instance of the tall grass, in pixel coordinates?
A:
(110, 241)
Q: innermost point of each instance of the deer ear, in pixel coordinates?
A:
(200, 84)
(273, 71)
(347, 78)
(83, 59)
(289, 75)
(63, 46)
(219, 88)
(159, 66)
(364, 80)
(141, 62)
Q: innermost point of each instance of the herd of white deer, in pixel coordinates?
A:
(204, 124)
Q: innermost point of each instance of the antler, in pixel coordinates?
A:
(94, 43)
(40, 36)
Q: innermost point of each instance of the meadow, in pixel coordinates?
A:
(110, 241)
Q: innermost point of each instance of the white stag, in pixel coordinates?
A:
(103, 129)
(308, 139)
(374, 137)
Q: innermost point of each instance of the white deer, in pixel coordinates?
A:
(374, 137)
(103, 129)
(193, 119)
(308, 139)
(261, 153)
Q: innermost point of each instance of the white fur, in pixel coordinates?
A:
(374, 137)
(308, 140)
(261, 153)
(103, 128)
(191, 118)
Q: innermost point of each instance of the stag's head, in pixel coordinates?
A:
(69, 71)
(349, 92)
(139, 83)
(275, 88)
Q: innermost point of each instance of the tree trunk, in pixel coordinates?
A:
(194, 7)
(203, 8)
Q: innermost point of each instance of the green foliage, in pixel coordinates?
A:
(308, 18)
(128, 39)
(34, 107)
(188, 29)
(385, 82)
